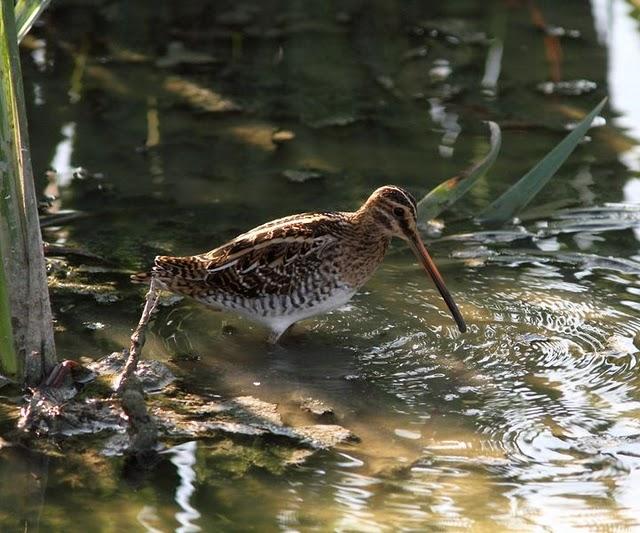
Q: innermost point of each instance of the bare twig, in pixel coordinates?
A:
(138, 337)
(143, 432)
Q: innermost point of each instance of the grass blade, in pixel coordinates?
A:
(521, 193)
(451, 190)
(26, 13)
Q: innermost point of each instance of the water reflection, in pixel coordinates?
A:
(619, 31)
(183, 457)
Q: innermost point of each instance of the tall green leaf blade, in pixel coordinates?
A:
(521, 193)
(450, 191)
(26, 13)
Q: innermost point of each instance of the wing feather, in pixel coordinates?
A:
(269, 259)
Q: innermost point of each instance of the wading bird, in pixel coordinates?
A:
(302, 265)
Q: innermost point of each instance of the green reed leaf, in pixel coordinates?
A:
(521, 193)
(451, 190)
(26, 13)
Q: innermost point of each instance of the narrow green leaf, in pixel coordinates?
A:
(451, 190)
(26, 13)
(521, 193)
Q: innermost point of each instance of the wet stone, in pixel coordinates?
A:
(153, 375)
(322, 436)
(192, 416)
(317, 408)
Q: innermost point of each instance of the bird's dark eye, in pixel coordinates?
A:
(398, 211)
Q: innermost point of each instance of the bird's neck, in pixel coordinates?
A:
(367, 227)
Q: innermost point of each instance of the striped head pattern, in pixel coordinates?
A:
(394, 209)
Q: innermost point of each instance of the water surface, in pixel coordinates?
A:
(529, 421)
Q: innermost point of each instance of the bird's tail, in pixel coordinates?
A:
(141, 277)
(166, 268)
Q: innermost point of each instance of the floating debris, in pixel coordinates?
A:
(568, 87)
(178, 55)
(407, 434)
(621, 346)
(416, 53)
(200, 97)
(451, 30)
(440, 70)
(337, 120)
(491, 237)
(559, 31)
(531, 338)
(95, 326)
(241, 15)
(301, 175)
(106, 298)
(282, 136)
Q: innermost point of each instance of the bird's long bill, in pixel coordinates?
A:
(428, 264)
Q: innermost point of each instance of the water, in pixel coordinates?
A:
(528, 421)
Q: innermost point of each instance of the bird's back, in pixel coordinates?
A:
(294, 266)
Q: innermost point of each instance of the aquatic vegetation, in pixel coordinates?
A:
(519, 195)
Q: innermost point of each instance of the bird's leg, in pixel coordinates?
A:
(138, 336)
(275, 334)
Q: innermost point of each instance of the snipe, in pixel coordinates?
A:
(300, 266)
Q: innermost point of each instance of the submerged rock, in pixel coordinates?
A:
(60, 412)
(317, 408)
(153, 375)
(199, 417)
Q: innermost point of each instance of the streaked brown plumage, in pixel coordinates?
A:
(299, 266)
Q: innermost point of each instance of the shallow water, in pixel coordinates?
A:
(529, 421)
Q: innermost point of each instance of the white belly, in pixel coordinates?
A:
(279, 322)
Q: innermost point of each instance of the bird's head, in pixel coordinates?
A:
(394, 211)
